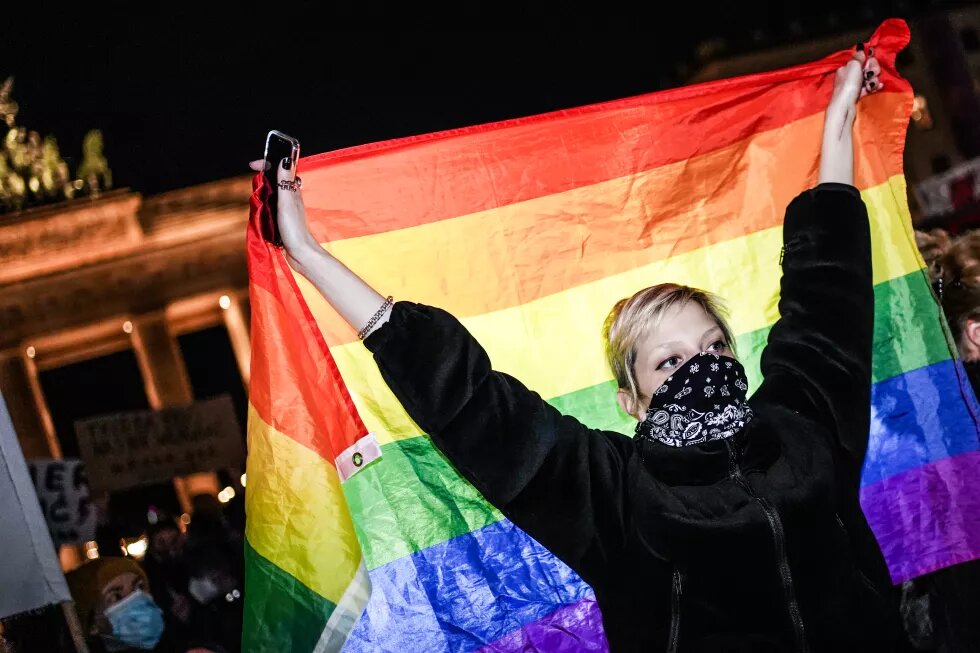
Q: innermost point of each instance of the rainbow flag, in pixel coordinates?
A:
(362, 536)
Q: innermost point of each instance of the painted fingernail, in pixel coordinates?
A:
(872, 86)
(287, 163)
(859, 47)
(868, 74)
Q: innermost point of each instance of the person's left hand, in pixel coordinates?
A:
(855, 79)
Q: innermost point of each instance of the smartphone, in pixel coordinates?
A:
(278, 146)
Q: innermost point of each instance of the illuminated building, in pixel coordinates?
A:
(125, 284)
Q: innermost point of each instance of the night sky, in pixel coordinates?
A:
(184, 98)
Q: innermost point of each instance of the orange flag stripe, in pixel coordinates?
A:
(350, 193)
(646, 217)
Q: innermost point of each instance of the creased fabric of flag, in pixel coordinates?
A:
(362, 536)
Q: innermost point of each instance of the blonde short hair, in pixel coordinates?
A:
(631, 319)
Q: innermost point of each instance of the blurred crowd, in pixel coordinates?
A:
(184, 596)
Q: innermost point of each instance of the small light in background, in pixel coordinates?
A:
(31, 352)
(243, 480)
(185, 519)
(91, 550)
(137, 549)
(226, 494)
(224, 302)
(128, 326)
(921, 117)
(134, 548)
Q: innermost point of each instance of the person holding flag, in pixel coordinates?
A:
(727, 523)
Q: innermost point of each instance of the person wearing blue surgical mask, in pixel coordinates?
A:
(115, 607)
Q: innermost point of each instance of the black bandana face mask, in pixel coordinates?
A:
(702, 400)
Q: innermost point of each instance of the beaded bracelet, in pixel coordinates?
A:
(374, 320)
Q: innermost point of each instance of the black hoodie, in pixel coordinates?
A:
(755, 543)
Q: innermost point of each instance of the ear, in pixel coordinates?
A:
(971, 334)
(627, 404)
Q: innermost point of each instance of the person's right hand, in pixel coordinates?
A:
(356, 301)
(295, 234)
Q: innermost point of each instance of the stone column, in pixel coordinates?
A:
(237, 324)
(28, 409)
(167, 386)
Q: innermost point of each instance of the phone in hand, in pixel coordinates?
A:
(278, 146)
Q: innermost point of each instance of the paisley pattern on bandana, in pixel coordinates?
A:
(703, 400)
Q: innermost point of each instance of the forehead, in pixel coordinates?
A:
(122, 582)
(681, 322)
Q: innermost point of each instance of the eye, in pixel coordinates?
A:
(717, 346)
(669, 363)
(112, 598)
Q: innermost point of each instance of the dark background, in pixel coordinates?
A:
(185, 95)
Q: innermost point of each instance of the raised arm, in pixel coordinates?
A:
(555, 478)
(852, 82)
(356, 301)
(818, 358)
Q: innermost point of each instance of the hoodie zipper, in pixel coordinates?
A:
(676, 589)
(779, 539)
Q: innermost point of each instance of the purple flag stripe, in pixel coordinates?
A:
(927, 518)
(571, 628)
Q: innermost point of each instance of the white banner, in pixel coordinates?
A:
(30, 576)
(124, 450)
(63, 492)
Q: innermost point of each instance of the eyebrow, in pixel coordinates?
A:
(671, 343)
(712, 330)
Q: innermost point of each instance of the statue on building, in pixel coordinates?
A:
(94, 170)
(53, 170)
(32, 171)
(8, 108)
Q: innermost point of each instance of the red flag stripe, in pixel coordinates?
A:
(349, 195)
